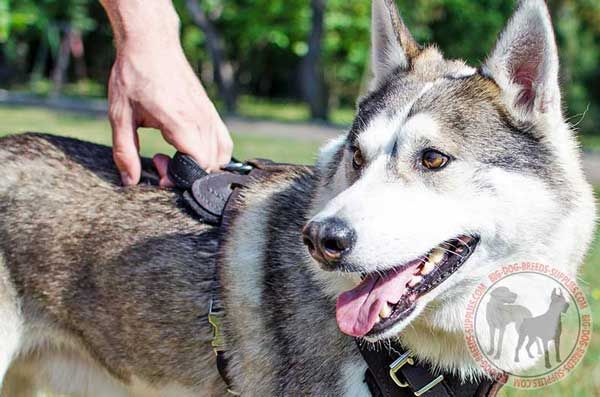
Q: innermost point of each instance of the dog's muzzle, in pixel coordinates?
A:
(329, 241)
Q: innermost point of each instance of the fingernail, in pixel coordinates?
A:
(126, 179)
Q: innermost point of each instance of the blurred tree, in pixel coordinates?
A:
(313, 84)
(294, 49)
(48, 28)
(223, 71)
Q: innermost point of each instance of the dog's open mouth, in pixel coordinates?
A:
(383, 299)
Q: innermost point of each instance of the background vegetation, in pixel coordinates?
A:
(278, 49)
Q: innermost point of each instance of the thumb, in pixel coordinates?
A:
(125, 149)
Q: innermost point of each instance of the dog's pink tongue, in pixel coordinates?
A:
(357, 310)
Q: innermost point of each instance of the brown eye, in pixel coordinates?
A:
(357, 159)
(434, 160)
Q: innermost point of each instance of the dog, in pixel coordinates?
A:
(547, 327)
(447, 173)
(500, 312)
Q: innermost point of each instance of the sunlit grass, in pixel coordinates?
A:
(97, 129)
(291, 111)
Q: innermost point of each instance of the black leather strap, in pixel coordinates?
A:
(205, 194)
(416, 377)
(184, 170)
(208, 194)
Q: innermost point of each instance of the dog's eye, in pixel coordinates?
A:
(357, 159)
(434, 160)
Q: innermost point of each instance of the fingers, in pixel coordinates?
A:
(161, 163)
(210, 146)
(125, 146)
(225, 147)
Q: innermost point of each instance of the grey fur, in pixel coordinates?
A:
(127, 274)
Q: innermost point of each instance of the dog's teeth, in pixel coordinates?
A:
(436, 256)
(466, 239)
(415, 281)
(427, 268)
(386, 311)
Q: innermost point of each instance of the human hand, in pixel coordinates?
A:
(152, 85)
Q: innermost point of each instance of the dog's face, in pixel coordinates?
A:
(447, 173)
(503, 295)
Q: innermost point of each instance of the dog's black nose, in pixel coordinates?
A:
(329, 240)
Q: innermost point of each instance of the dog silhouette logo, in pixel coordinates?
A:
(543, 329)
(501, 311)
(524, 305)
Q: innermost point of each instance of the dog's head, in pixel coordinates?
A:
(558, 300)
(503, 295)
(447, 173)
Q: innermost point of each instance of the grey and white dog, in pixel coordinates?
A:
(447, 174)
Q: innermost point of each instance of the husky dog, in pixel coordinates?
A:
(448, 173)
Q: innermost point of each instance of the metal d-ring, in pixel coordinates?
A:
(400, 362)
(238, 167)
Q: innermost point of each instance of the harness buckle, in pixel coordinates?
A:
(215, 319)
(400, 362)
(407, 358)
(429, 386)
(237, 167)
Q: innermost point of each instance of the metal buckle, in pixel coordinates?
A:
(236, 166)
(429, 386)
(400, 362)
(214, 318)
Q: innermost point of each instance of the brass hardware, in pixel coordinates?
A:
(401, 361)
(214, 318)
(429, 386)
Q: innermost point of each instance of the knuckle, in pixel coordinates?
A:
(227, 145)
(122, 157)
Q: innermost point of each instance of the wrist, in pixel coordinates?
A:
(143, 23)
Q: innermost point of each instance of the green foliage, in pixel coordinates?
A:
(4, 20)
(265, 41)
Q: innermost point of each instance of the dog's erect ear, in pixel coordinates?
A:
(392, 45)
(524, 62)
(556, 292)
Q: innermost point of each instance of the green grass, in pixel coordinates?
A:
(83, 89)
(97, 129)
(288, 110)
(584, 381)
(590, 142)
(248, 106)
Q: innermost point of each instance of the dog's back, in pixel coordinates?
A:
(63, 273)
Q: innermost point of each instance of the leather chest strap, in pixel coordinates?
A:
(208, 194)
(394, 372)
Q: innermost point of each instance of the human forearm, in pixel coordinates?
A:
(153, 85)
(143, 22)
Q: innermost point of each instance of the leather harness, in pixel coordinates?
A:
(392, 372)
